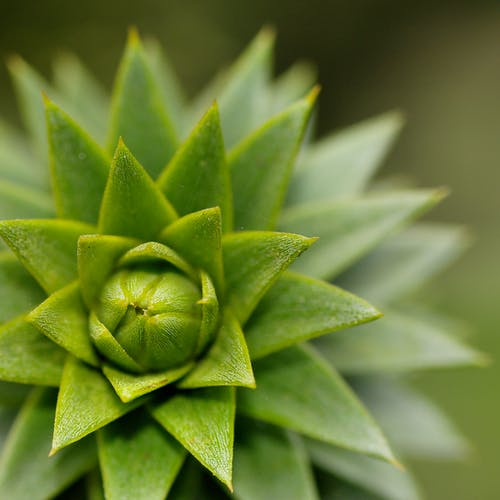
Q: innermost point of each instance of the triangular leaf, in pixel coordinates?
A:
(25, 469)
(197, 237)
(397, 342)
(271, 463)
(64, 320)
(342, 164)
(86, 402)
(132, 204)
(130, 386)
(137, 111)
(46, 248)
(97, 257)
(209, 313)
(22, 202)
(197, 177)
(27, 357)
(253, 261)
(283, 317)
(262, 163)
(348, 229)
(227, 361)
(79, 167)
(138, 459)
(202, 420)
(19, 292)
(297, 389)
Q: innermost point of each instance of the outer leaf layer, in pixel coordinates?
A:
(22, 202)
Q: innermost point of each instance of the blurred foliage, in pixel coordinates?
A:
(438, 61)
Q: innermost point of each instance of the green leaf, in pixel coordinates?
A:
(253, 261)
(138, 113)
(405, 261)
(243, 87)
(46, 248)
(342, 164)
(202, 420)
(227, 361)
(97, 257)
(19, 292)
(415, 426)
(197, 177)
(129, 386)
(93, 485)
(297, 389)
(271, 463)
(22, 202)
(79, 168)
(382, 479)
(132, 204)
(64, 320)
(348, 229)
(397, 343)
(209, 313)
(86, 402)
(197, 237)
(25, 469)
(27, 357)
(189, 483)
(81, 94)
(283, 316)
(138, 459)
(262, 163)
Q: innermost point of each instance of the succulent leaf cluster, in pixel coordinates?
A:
(166, 286)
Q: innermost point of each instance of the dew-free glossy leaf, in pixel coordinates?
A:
(25, 469)
(253, 261)
(197, 237)
(63, 319)
(397, 342)
(341, 164)
(78, 165)
(138, 113)
(297, 389)
(262, 163)
(130, 386)
(27, 357)
(202, 420)
(97, 257)
(380, 478)
(297, 308)
(197, 177)
(405, 261)
(227, 361)
(413, 423)
(348, 229)
(19, 292)
(132, 204)
(46, 248)
(271, 463)
(209, 313)
(22, 202)
(138, 459)
(85, 403)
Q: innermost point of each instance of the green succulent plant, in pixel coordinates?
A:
(151, 303)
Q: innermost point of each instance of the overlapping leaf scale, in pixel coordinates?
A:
(138, 113)
(297, 389)
(202, 420)
(25, 471)
(349, 229)
(198, 177)
(138, 458)
(297, 308)
(271, 463)
(261, 166)
(398, 342)
(342, 164)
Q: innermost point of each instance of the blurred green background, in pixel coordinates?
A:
(437, 61)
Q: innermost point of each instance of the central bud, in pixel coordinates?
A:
(154, 314)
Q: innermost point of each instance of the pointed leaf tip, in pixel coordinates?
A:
(133, 37)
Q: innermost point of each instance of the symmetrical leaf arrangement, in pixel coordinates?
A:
(151, 303)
